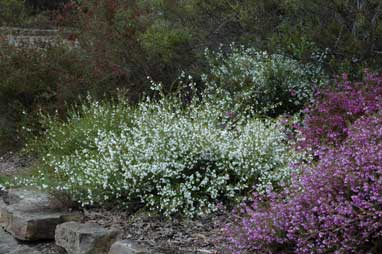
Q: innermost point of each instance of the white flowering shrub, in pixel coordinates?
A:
(270, 84)
(172, 157)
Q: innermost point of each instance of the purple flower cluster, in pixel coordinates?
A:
(333, 205)
(328, 120)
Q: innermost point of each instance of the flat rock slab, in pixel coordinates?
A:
(34, 226)
(88, 238)
(32, 199)
(32, 215)
(15, 196)
(128, 247)
(8, 245)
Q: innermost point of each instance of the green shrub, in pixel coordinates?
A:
(12, 12)
(270, 84)
(26, 13)
(132, 41)
(350, 31)
(163, 41)
(172, 157)
(33, 79)
(119, 48)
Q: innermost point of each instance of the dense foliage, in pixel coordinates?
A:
(11, 11)
(336, 108)
(170, 157)
(349, 31)
(126, 41)
(188, 145)
(168, 31)
(333, 205)
(37, 14)
(138, 44)
(52, 78)
(45, 4)
(270, 84)
(44, 80)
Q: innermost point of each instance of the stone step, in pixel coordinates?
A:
(27, 31)
(33, 215)
(29, 197)
(85, 238)
(37, 38)
(8, 245)
(34, 31)
(31, 41)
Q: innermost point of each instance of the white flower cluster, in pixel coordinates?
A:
(270, 83)
(171, 157)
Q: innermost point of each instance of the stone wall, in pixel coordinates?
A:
(24, 37)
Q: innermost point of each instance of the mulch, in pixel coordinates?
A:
(165, 235)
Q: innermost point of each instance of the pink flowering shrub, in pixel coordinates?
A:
(328, 120)
(334, 206)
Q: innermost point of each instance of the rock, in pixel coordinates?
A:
(15, 196)
(24, 250)
(32, 215)
(128, 247)
(33, 199)
(8, 245)
(3, 213)
(34, 226)
(89, 238)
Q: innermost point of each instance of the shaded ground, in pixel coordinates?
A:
(12, 164)
(164, 236)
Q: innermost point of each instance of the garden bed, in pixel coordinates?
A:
(161, 235)
(164, 235)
